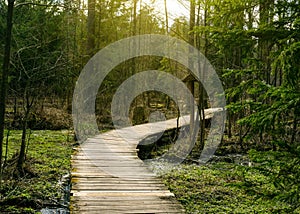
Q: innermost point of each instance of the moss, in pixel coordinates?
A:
(47, 160)
(224, 188)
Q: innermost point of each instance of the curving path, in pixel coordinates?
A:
(108, 177)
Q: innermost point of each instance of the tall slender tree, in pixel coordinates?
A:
(191, 61)
(166, 16)
(91, 27)
(5, 73)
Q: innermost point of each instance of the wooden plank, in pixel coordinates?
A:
(108, 175)
(157, 193)
(113, 180)
(117, 188)
(137, 168)
(125, 198)
(124, 211)
(123, 201)
(85, 157)
(145, 208)
(133, 182)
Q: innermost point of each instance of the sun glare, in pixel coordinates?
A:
(175, 8)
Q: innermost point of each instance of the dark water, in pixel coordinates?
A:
(63, 208)
(55, 211)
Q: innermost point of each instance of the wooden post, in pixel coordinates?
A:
(190, 81)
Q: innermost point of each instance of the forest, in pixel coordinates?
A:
(254, 47)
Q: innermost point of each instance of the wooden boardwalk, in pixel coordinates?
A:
(108, 177)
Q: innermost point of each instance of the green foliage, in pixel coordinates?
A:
(259, 64)
(283, 170)
(39, 59)
(289, 62)
(272, 110)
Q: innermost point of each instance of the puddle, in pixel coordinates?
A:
(65, 183)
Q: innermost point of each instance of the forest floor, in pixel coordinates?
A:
(46, 169)
(220, 186)
(225, 188)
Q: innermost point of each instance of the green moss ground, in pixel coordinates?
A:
(229, 188)
(47, 160)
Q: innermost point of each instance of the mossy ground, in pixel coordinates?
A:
(228, 188)
(47, 160)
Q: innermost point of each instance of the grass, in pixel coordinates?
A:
(225, 188)
(47, 160)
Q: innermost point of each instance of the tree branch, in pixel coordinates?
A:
(39, 4)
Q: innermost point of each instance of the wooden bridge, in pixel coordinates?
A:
(108, 176)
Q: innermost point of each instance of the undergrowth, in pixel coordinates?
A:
(47, 160)
(231, 188)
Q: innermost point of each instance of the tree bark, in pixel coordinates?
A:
(5, 72)
(203, 77)
(265, 18)
(167, 18)
(91, 27)
(29, 104)
(191, 63)
(192, 22)
(21, 158)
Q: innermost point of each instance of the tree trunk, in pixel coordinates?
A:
(229, 124)
(6, 148)
(294, 127)
(201, 88)
(191, 61)
(134, 33)
(5, 72)
(91, 27)
(192, 22)
(21, 158)
(134, 18)
(266, 18)
(167, 18)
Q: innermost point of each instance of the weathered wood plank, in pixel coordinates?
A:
(118, 188)
(113, 180)
(126, 211)
(157, 193)
(122, 201)
(145, 208)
